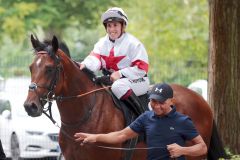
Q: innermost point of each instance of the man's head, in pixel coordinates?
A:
(114, 14)
(161, 98)
(161, 92)
(115, 21)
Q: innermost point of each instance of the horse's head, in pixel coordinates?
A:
(45, 73)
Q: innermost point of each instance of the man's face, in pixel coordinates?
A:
(159, 108)
(114, 30)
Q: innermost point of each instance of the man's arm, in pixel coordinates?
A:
(199, 148)
(112, 137)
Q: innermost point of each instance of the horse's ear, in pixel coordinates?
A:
(55, 44)
(35, 42)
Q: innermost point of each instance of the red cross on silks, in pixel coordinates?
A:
(112, 61)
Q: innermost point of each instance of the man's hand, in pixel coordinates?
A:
(115, 76)
(81, 66)
(85, 138)
(174, 150)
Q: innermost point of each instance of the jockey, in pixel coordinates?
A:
(122, 54)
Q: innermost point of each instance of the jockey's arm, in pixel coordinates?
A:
(112, 137)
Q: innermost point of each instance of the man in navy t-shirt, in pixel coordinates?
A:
(166, 129)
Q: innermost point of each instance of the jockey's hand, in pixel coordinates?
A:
(115, 76)
(174, 150)
(85, 138)
(81, 66)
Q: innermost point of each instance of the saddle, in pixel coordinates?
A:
(129, 115)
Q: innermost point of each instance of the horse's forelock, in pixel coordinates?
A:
(45, 46)
(48, 48)
(40, 47)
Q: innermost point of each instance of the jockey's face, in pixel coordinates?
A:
(159, 108)
(114, 30)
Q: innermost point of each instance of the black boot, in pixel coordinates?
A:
(134, 103)
(2, 154)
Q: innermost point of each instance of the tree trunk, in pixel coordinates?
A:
(224, 69)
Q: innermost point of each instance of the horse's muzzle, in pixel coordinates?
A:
(32, 109)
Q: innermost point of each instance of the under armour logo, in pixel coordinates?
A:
(158, 90)
(171, 128)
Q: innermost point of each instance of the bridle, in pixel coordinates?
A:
(49, 97)
(50, 88)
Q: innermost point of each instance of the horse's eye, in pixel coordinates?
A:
(49, 70)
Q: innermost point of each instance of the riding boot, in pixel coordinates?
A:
(2, 154)
(133, 102)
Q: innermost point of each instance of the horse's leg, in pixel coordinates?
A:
(63, 145)
(68, 147)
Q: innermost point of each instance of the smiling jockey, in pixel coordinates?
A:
(124, 55)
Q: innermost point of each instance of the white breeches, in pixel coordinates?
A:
(139, 86)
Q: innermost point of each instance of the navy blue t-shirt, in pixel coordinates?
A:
(162, 131)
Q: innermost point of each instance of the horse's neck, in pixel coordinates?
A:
(74, 80)
(73, 84)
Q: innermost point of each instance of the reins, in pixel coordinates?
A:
(60, 98)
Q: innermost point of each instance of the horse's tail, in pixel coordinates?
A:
(216, 149)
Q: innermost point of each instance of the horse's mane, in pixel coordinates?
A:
(105, 79)
(89, 73)
(63, 46)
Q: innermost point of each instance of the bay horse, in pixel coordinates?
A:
(85, 106)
